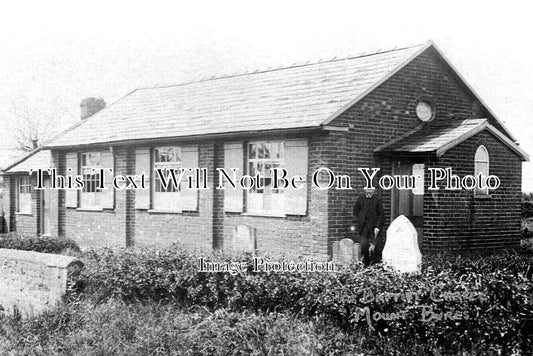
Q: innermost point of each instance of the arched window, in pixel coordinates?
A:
(481, 165)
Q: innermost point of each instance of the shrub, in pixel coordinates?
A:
(38, 244)
(527, 210)
(455, 303)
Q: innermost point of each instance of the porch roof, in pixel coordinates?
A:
(439, 138)
(40, 159)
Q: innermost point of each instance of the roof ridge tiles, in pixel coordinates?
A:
(284, 67)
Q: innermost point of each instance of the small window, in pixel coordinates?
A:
(24, 195)
(481, 166)
(262, 157)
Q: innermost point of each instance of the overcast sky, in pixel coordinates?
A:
(54, 53)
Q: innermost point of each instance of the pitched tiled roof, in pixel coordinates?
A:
(289, 98)
(41, 159)
(442, 136)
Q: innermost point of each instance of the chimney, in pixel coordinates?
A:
(90, 106)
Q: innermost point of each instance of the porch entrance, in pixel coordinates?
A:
(409, 203)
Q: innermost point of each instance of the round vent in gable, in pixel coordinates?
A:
(424, 111)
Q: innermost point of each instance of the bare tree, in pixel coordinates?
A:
(32, 128)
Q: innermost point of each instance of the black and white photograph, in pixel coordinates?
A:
(266, 178)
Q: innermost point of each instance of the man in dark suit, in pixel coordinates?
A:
(368, 212)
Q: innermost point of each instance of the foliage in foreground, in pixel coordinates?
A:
(457, 303)
(151, 302)
(116, 328)
(38, 244)
(527, 209)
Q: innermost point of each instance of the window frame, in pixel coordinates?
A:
(258, 203)
(164, 200)
(477, 161)
(90, 195)
(27, 195)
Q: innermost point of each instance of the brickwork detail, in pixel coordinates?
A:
(387, 113)
(98, 228)
(459, 219)
(191, 228)
(5, 201)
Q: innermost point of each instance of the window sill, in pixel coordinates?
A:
(264, 214)
(23, 213)
(90, 208)
(483, 197)
(156, 211)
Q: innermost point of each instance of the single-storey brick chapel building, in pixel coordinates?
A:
(403, 111)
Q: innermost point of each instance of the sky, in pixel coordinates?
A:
(55, 53)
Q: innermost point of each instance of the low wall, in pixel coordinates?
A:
(33, 282)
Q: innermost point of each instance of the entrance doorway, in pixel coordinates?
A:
(410, 202)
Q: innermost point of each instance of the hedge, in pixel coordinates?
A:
(456, 302)
(38, 244)
(527, 210)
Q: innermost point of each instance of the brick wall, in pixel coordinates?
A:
(100, 228)
(33, 282)
(193, 229)
(12, 203)
(304, 235)
(130, 199)
(54, 212)
(388, 112)
(209, 227)
(206, 227)
(26, 224)
(6, 200)
(218, 198)
(458, 219)
(59, 159)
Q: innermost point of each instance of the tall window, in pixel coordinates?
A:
(262, 157)
(257, 158)
(166, 159)
(90, 164)
(481, 166)
(24, 195)
(90, 170)
(92, 196)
